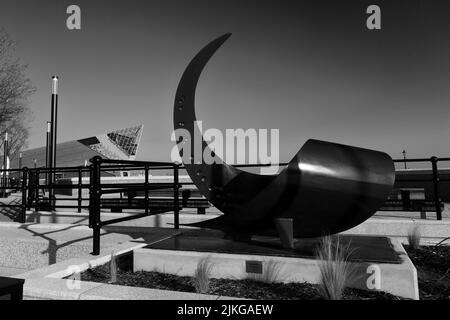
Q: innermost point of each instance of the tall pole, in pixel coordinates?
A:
(404, 158)
(53, 139)
(54, 117)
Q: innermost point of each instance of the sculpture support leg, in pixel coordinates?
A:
(285, 228)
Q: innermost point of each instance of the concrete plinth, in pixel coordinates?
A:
(396, 278)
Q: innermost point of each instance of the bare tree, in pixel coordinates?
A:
(15, 89)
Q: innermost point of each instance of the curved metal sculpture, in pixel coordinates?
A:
(326, 188)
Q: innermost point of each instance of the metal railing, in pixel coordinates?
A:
(97, 189)
(8, 184)
(35, 190)
(40, 197)
(435, 179)
(28, 182)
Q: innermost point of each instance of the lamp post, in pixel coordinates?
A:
(54, 120)
(53, 139)
(404, 158)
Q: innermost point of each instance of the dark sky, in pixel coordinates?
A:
(308, 68)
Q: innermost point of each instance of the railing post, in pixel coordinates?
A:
(80, 181)
(146, 189)
(36, 191)
(91, 196)
(437, 201)
(95, 205)
(30, 190)
(23, 216)
(176, 188)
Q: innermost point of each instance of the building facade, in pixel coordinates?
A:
(121, 144)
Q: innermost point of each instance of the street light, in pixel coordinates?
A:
(404, 158)
(53, 139)
(54, 115)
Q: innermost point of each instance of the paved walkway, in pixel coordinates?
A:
(9, 214)
(409, 215)
(30, 246)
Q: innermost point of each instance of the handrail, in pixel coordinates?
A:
(29, 183)
(134, 162)
(97, 189)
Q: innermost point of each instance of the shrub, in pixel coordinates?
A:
(414, 238)
(335, 270)
(202, 276)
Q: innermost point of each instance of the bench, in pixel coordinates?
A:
(421, 205)
(12, 286)
(155, 202)
(410, 199)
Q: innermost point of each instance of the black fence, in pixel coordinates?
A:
(435, 180)
(42, 195)
(98, 189)
(20, 181)
(36, 193)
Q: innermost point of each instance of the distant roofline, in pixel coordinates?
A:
(78, 139)
(109, 131)
(419, 169)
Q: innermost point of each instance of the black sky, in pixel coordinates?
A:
(308, 68)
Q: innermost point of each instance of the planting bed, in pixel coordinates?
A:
(433, 270)
(249, 288)
(432, 263)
